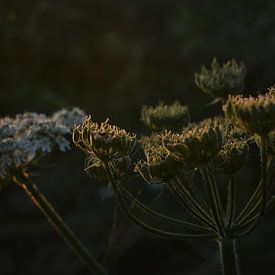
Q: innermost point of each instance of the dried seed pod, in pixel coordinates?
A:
(256, 114)
(196, 146)
(159, 166)
(232, 156)
(222, 80)
(103, 141)
(171, 117)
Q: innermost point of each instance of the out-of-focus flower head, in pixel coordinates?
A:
(27, 136)
(166, 117)
(222, 80)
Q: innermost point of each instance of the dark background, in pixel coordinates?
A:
(109, 58)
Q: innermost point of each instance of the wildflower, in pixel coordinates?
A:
(105, 144)
(171, 117)
(103, 141)
(69, 118)
(159, 166)
(27, 136)
(221, 81)
(232, 156)
(256, 114)
(196, 146)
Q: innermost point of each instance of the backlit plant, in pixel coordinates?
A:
(198, 162)
(179, 151)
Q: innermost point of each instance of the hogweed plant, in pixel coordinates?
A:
(24, 140)
(179, 152)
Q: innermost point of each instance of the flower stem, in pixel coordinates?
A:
(61, 227)
(228, 254)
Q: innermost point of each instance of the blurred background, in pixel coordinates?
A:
(109, 58)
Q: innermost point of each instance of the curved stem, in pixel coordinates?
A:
(193, 202)
(143, 225)
(156, 214)
(186, 204)
(229, 256)
(60, 226)
(264, 189)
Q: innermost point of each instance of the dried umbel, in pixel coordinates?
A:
(256, 114)
(159, 166)
(232, 156)
(103, 141)
(196, 146)
(29, 135)
(222, 80)
(170, 117)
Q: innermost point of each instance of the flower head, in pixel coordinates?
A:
(221, 81)
(256, 114)
(196, 146)
(159, 166)
(171, 117)
(27, 136)
(103, 141)
(232, 156)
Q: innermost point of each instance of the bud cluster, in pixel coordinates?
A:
(221, 81)
(170, 117)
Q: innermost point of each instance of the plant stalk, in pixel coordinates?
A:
(229, 261)
(61, 227)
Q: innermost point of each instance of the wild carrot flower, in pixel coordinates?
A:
(222, 80)
(170, 117)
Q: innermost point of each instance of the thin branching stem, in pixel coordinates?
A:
(190, 197)
(143, 225)
(214, 200)
(264, 189)
(155, 214)
(186, 204)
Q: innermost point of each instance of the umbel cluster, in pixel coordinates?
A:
(178, 150)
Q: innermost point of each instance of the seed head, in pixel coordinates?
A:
(159, 166)
(232, 156)
(222, 80)
(255, 114)
(103, 141)
(171, 117)
(196, 146)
